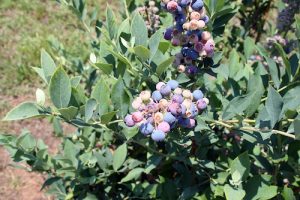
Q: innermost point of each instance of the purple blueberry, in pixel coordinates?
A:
(173, 84)
(201, 104)
(129, 121)
(192, 70)
(156, 95)
(169, 118)
(177, 98)
(184, 122)
(197, 94)
(146, 128)
(193, 54)
(158, 135)
(205, 19)
(168, 33)
(194, 110)
(197, 5)
(165, 90)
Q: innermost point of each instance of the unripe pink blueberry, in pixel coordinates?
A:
(163, 104)
(172, 6)
(192, 123)
(209, 46)
(137, 117)
(193, 39)
(187, 103)
(137, 103)
(164, 127)
(201, 24)
(186, 26)
(206, 100)
(178, 91)
(159, 85)
(205, 35)
(181, 68)
(193, 24)
(129, 121)
(201, 104)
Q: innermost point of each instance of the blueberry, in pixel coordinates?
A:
(184, 3)
(184, 122)
(192, 70)
(205, 19)
(169, 118)
(177, 98)
(197, 5)
(180, 19)
(158, 135)
(129, 121)
(193, 54)
(197, 94)
(156, 95)
(165, 90)
(184, 51)
(173, 84)
(168, 33)
(194, 110)
(146, 128)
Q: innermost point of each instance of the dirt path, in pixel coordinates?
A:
(17, 184)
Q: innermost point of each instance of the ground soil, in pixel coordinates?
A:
(18, 184)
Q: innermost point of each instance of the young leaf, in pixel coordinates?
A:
(106, 68)
(47, 64)
(142, 52)
(68, 113)
(133, 174)
(274, 105)
(60, 88)
(119, 156)
(164, 65)
(120, 97)
(139, 30)
(240, 168)
(23, 111)
(101, 94)
(154, 42)
(233, 193)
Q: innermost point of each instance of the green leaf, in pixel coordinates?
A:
(111, 23)
(285, 60)
(23, 111)
(106, 68)
(258, 187)
(89, 109)
(133, 174)
(274, 105)
(142, 52)
(47, 64)
(101, 94)
(274, 72)
(240, 168)
(233, 193)
(120, 97)
(297, 128)
(288, 194)
(297, 17)
(161, 68)
(139, 30)
(26, 141)
(40, 72)
(107, 117)
(60, 88)
(291, 100)
(154, 42)
(69, 113)
(119, 156)
(249, 47)
(75, 81)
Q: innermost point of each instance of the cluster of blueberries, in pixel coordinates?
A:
(150, 15)
(188, 32)
(168, 107)
(286, 16)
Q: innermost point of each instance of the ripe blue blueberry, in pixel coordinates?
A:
(165, 90)
(191, 53)
(173, 84)
(158, 135)
(197, 5)
(156, 95)
(146, 128)
(184, 3)
(197, 94)
(169, 118)
(205, 19)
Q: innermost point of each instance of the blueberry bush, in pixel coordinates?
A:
(178, 99)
